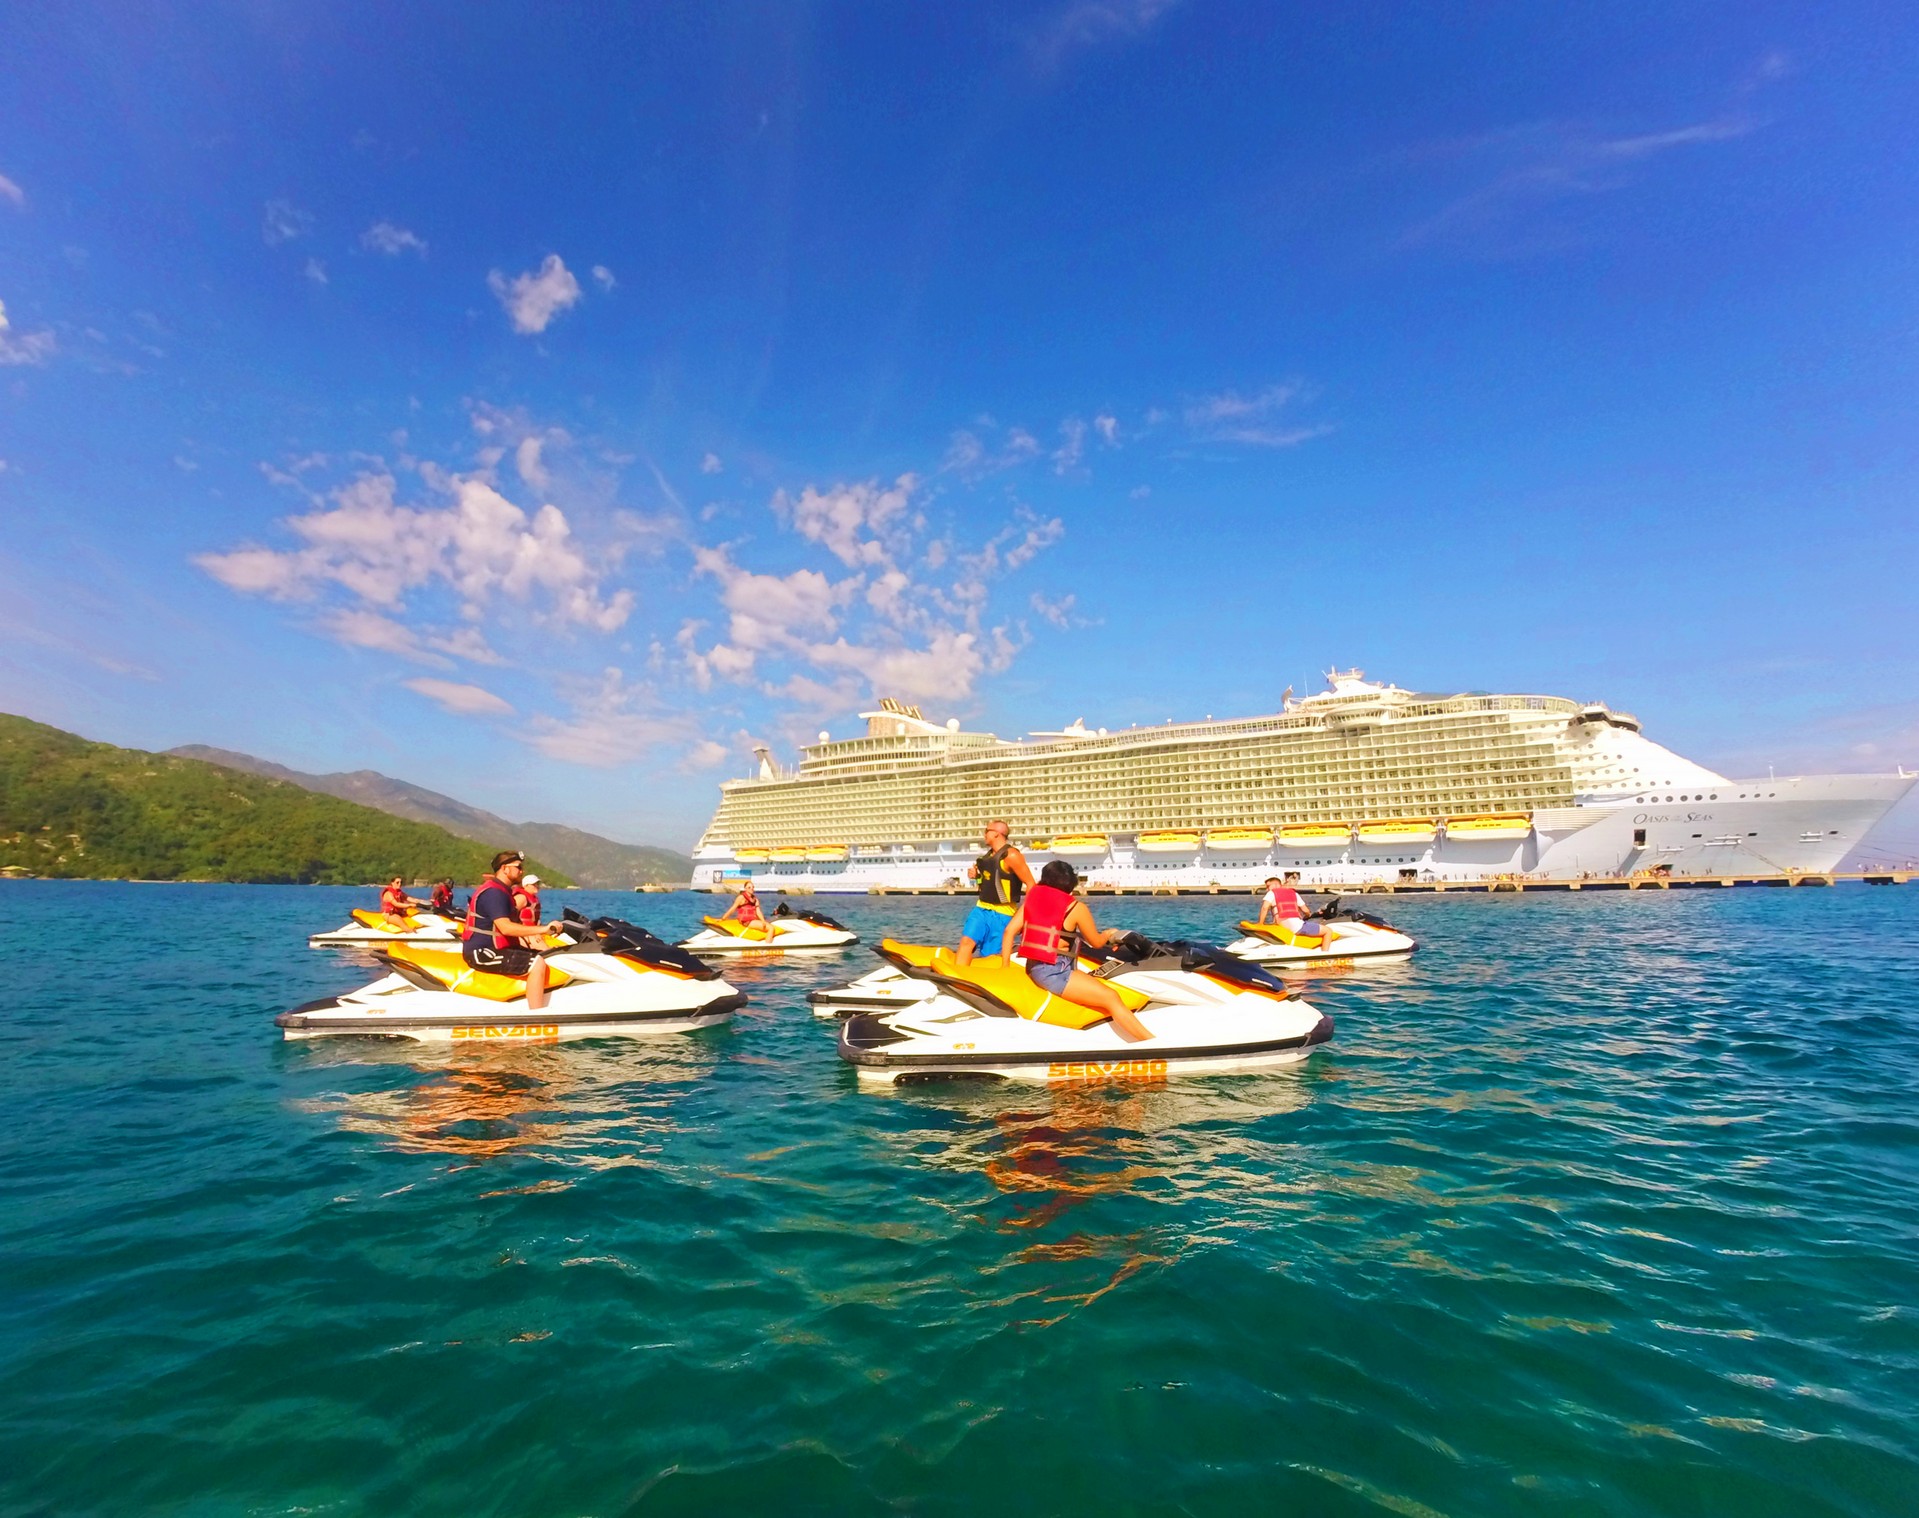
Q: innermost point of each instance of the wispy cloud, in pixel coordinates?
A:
(12, 193)
(461, 700)
(1081, 24)
(23, 348)
(1526, 179)
(283, 221)
(1230, 417)
(385, 237)
(315, 271)
(532, 300)
(603, 277)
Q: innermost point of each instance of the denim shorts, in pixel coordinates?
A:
(1051, 977)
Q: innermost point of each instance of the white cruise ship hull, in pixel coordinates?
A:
(1802, 824)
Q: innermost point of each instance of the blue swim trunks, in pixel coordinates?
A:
(987, 928)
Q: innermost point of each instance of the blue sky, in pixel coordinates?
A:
(544, 407)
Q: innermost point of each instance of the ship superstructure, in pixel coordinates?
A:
(1360, 782)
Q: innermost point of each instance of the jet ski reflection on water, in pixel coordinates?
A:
(611, 979)
(1349, 935)
(372, 930)
(1209, 1014)
(784, 931)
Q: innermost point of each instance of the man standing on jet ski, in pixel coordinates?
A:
(1003, 875)
(505, 951)
(1282, 905)
(1044, 928)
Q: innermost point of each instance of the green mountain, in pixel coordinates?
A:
(81, 810)
(590, 859)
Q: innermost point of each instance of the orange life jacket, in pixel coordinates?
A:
(1046, 909)
(500, 940)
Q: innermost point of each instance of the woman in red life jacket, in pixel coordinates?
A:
(1043, 929)
(442, 897)
(527, 898)
(396, 904)
(746, 911)
(1282, 905)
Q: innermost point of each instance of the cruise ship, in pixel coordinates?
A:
(1361, 783)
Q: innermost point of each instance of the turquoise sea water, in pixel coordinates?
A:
(1599, 1205)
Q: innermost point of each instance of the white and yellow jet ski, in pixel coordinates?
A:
(1209, 1013)
(371, 930)
(1349, 935)
(613, 980)
(784, 932)
(886, 989)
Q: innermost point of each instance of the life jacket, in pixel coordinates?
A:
(749, 912)
(393, 902)
(472, 928)
(1286, 903)
(1046, 909)
(530, 913)
(998, 885)
(442, 897)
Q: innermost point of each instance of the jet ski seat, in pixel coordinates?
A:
(999, 987)
(1280, 934)
(755, 931)
(455, 974)
(368, 919)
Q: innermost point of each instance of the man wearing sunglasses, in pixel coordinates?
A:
(1003, 875)
(494, 939)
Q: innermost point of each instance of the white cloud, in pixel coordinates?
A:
(613, 722)
(480, 546)
(359, 627)
(1107, 426)
(19, 348)
(603, 277)
(461, 700)
(1066, 457)
(1229, 417)
(526, 459)
(315, 271)
(1059, 613)
(1086, 23)
(184, 464)
(9, 191)
(1139, 492)
(711, 464)
(283, 221)
(385, 237)
(532, 300)
(852, 522)
(705, 755)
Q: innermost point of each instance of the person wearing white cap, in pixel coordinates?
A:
(527, 899)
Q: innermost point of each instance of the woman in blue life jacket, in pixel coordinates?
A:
(495, 940)
(1004, 876)
(1044, 928)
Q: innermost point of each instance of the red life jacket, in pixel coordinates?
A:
(1286, 903)
(500, 940)
(1046, 909)
(393, 901)
(530, 913)
(442, 897)
(749, 910)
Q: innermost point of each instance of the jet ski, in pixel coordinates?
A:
(372, 930)
(1349, 935)
(885, 989)
(784, 931)
(1209, 1012)
(610, 979)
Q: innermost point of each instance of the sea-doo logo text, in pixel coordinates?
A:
(1103, 1070)
(520, 1031)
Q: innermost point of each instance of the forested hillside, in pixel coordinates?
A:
(77, 809)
